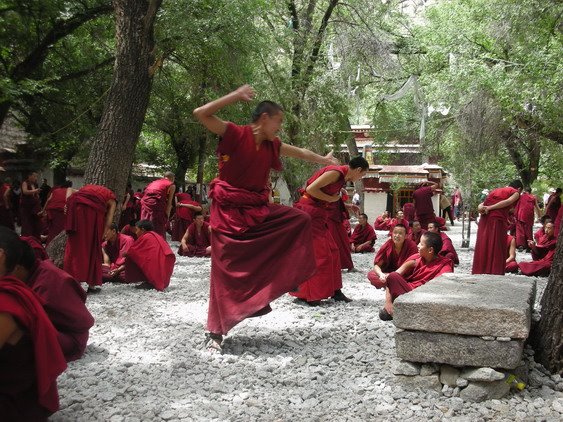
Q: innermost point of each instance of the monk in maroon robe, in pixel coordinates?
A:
(250, 235)
(511, 264)
(553, 204)
(127, 207)
(417, 270)
(524, 214)
(30, 355)
(89, 215)
(186, 208)
(37, 247)
(447, 250)
(363, 237)
(409, 212)
(149, 259)
(156, 203)
(416, 232)
(391, 255)
(542, 254)
(197, 239)
(422, 198)
(55, 209)
(114, 249)
(6, 218)
(382, 222)
(63, 300)
(130, 229)
(490, 248)
(30, 207)
(399, 219)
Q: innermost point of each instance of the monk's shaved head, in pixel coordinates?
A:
(169, 175)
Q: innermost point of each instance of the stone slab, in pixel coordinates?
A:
(479, 305)
(457, 350)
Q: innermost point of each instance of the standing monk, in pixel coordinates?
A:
(422, 198)
(89, 216)
(30, 207)
(6, 218)
(553, 204)
(490, 247)
(524, 214)
(319, 199)
(156, 202)
(197, 238)
(250, 235)
(448, 250)
(55, 209)
(363, 237)
(409, 212)
(186, 208)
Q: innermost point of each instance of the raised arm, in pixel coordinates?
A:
(306, 155)
(206, 113)
(314, 189)
(504, 203)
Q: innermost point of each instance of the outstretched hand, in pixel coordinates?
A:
(245, 93)
(331, 160)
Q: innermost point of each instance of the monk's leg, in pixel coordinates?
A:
(376, 281)
(512, 267)
(397, 285)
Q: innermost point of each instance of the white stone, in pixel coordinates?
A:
(482, 374)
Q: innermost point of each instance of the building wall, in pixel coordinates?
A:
(374, 204)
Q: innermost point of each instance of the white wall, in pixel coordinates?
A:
(374, 204)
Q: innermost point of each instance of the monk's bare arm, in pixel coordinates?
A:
(378, 271)
(537, 208)
(110, 211)
(304, 154)
(46, 203)
(206, 113)
(106, 258)
(195, 208)
(6, 198)
(314, 189)
(406, 267)
(9, 331)
(504, 203)
(171, 191)
(126, 200)
(69, 192)
(27, 191)
(511, 251)
(184, 241)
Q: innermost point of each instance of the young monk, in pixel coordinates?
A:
(524, 215)
(156, 202)
(363, 237)
(416, 271)
(30, 356)
(321, 195)
(149, 259)
(398, 219)
(197, 238)
(63, 300)
(250, 235)
(542, 254)
(511, 264)
(89, 215)
(30, 207)
(55, 209)
(422, 198)
(391, 255)
(382, 222)
(490, 247)
(114, 249)
(416, 232)
(448, 250)
(186, 208)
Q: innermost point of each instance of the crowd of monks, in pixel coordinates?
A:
(44, 321)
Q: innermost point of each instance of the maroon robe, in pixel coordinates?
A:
(557, 225)
(197, 242)
(539, 268)
(85, 224)
(543, 246)
(423, 205)
(553, 205)
(415, 237)
(116, 251)
(409, 212)
(6, 218)
(154, 203)
(250, 235)
(30, 206)
(55, 209)
(395, 221)
(25, 395)
(448, 250)
(524, 214)
(381, 224)
(337, 226)
(37, 247)
(490, 248)
(129, 231)
(390, 260)
(363, 234)
(64, 301)
(421, 274)
(183, 217)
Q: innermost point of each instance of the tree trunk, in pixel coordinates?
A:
(203, 140)
(547, 335)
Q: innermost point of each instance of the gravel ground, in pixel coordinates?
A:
(146, 361)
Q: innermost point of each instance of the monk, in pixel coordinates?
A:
(89, 216)
(541, 231)
(338, 222)
(409, 212)
(319, 199)
(447, 250)
(417, 270)
(542, 254)
(422, 198)
(363, 237)
(30, 207)
(149, 259)
(186, 208)
(416, 232)
(490, 247)
(130, 229)
(524, 215)
(30, 355)
(197, 238)
(391, 255)
(114, 249)
(250, 235)
(382, 222)
(63, 300)
(398, 219)
(127, 207)
(511, 264)
(6, 218)
(55, 209)
(553, 204)
(156, 202)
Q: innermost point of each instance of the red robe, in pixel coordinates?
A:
(390, 260)
(37, 247)
(183, 216)
(539, 268)
(363, 234)
(250, 235)
(423, 205)
(116, 251)
(512, 266)
(26, 396)
(150, 259)
(381, 224)
(524, 214)
(55, 209)
(553, 205)
(395, 221)
(129, 231)
(64, 301)
(30, 206)
(85, 224)
(415, 237)
(448, 250)
(543, 246)
(6, 218)
(197, 242)
(557, 224)
(421, 274)
(490, 247)
(154, 203)
(409, 212)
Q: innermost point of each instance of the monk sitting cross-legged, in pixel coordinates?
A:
(113, 250)
(363, 237)
(448, 250)
(197, 238)
(382, 222)
(542, 253)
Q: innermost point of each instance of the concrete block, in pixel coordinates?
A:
(479, 305)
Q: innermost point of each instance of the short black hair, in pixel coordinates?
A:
(545, 219)
(269, 107)
(558, 190)
(197, 214)
(516, 184)
(400, 225)
(364, 215)
(66, 184)
(11, 244)
(133, 222)
(27, 257)
(434, 241)
(359, 161)
(436, 224)
(146, 225)
(528, 189)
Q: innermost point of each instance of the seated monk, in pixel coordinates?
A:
(399, 219)
(37, 247)
(63, 299)
(382, 222)
(30, 356)
(197, 238)
(541, 231)
(416, 232)
(542, 253)
(511, 264)
(114, 249)
(391, 256)
(416, 271)
(363, 237)
(130, 230)
(149, 259)
(448, 250)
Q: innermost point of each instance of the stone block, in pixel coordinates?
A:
(482, 374)
(479, 305)
(428, 369)
(449, 375)
(406, 368)
(478, 391)
(451, 349)
(424, 383)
